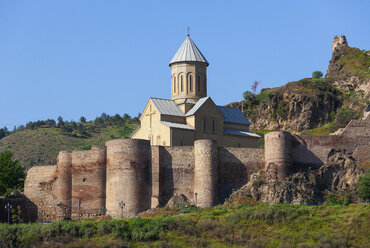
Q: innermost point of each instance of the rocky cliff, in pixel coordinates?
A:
(310, 103)
(339, 177)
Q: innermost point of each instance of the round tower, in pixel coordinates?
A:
(206, 173)
(188, 73)
(64, 183)
(127, 177)
(89, 179)
(278, 153)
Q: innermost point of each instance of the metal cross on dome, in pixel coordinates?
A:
(188, 31)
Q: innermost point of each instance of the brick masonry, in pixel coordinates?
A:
(144, 176)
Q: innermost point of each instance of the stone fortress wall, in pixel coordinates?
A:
(141, 176)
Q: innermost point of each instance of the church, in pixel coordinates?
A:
(190, 114)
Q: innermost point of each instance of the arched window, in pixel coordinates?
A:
(198, 84)
(190, 83)
(204, 124)
(174, 84)
(182, 84)
(213, 125)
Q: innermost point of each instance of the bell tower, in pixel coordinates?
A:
(188, 73)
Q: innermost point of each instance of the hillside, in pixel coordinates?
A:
(40, 145)
(315, 102)
(248, 225)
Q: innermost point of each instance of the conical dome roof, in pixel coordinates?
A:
(188, 52)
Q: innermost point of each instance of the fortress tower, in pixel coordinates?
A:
(278, 153)
(188, 73)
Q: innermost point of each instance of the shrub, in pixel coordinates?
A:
(262, 96)
(344, 116)
(282, 109)
(364, 186)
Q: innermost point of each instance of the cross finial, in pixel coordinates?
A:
(188, 31)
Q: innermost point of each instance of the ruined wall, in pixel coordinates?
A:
(314, 150)
(88, 181)
(178, 172)
(143, 176)
(235, 165)
(40, 189)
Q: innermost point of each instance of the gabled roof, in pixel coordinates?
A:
(188, 52)
(177, 125)
(241, 133)
(199, 104)
(233, 115)
(167, 107)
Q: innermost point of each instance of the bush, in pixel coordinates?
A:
(282, 109)
(344, 116)
(364, 186)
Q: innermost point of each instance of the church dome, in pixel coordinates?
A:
(188, 52)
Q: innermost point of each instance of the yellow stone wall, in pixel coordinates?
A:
(182, 137)
(209, 113)
(236, 126)
(186, 70)
(160, 134)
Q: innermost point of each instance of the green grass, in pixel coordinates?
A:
(278, 225)
(41, 145)
(356, 63)
(324, 130)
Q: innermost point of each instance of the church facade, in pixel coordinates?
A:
(190, 114)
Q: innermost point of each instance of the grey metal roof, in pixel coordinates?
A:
(195, 108)
(241, 133)
(167, 107)
(188, 52)
(233, 115)
(177, 125)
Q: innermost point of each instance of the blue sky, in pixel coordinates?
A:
(73, 58)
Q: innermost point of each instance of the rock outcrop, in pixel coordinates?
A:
(339, 174)
(310, 103)
(297, 106)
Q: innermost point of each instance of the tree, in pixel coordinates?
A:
(3, 132)
(60, 121)
(317, 74)
(82, 119)
(363, 189)
(11, 173)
